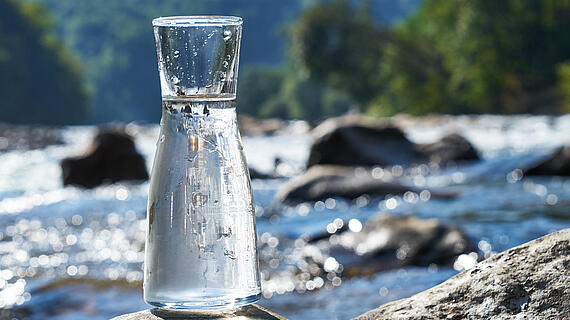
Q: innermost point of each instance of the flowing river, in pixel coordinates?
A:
(71, 253)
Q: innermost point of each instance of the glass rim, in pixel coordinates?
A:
(193, 21)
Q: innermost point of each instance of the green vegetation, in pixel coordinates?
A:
(449, 57)
(39, 81)
(305, 59)
(115, 43)
(279, 92)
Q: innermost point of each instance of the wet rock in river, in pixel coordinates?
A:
(530, 281)
(111, 157)
(358, 141)
(452, 147)
(325, 181)
(388, 242)
(558, 164)
(355, 141)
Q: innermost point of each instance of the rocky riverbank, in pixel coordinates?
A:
(530, 281)
(344, 246)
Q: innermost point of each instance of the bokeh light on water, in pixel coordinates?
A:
(50, 234)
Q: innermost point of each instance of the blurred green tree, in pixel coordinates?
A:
(283, 92)
(449, 57)
(342, 47)
(115, 42)
(478, 56)
(39, 81)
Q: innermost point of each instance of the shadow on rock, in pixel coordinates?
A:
(111, 157)
(557, 164)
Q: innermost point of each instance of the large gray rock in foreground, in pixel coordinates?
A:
(251, 312)
(531, 281)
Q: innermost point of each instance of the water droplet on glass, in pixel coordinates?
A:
(230, 254)
(162, 138)
(224, 232)
(199, 199)
(227, 35)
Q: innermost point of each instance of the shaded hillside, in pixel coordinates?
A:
(39, 80)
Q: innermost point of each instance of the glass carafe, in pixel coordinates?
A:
(201, 243)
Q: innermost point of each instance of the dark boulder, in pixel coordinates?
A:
(357, 142)
(111, 157)
(388, 242)
(322, 182)
(558, 164)
(451, 148)
(526, 282)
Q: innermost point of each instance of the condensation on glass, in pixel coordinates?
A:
(201, 243)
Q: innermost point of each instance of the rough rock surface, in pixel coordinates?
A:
(558, 164)
(111, 157)
(388, 242)
(251, 312)
(452, 147)
(324, 181)
(530, 281)
(354, 141)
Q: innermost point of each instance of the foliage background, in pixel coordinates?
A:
(94, 61)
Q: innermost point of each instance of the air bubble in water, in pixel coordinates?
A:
(227, 35)
(175, 80)
(222, 75)
(225, 64)
(176, 54)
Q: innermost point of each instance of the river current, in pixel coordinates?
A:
(71, 253)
